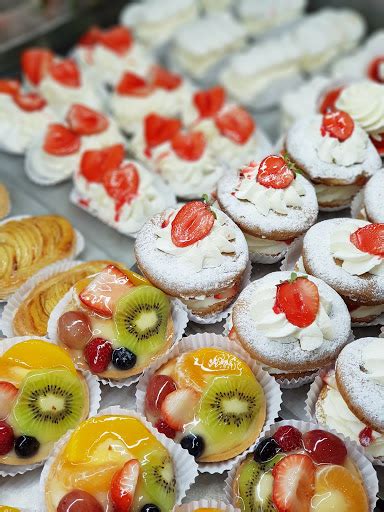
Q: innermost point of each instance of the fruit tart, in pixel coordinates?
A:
(113, 323)
(195, 253)
(42, 396)
(292, 324)
(116, 461)
(27, 244)
(231, 131)
(348, 254)
(209, 400)
(369, 204)
(350, 399)
(22, 114)
(270, 203)
(122, 193)
(335, 153)
(27, 313)
(299, 467)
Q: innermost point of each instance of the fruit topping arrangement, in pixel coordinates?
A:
(209, 401)
(369, 239)
(338, 125)
(115, 323)
(193, 222)
(293, 471)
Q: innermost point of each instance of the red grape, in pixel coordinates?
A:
(158, 388)
(74, 329)
(79, 501)
(324, 447)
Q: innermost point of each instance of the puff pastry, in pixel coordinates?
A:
(29, 244)
(5, 203)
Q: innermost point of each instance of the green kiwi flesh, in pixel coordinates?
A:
(158, 480)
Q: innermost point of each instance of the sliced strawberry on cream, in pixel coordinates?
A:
(61, 141)
(375, 69)
(122, 185)
(117, 39)
(105, 289)
(189, 146)
(133, 85)
(370, 239)
(192, 222)
(274, 173)
(164, 79)
(9, 87)
(208, 103)
(86, 121)
(123, 485)
(66, 72)
(158, 130)
(328, 101)
(95, 163)
(30, 102)
(8, 393)
(90, 38)
(338, 125)
(36, 64)
(236, 124)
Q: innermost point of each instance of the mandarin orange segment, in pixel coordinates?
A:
(197, 368)
(92, 479)
(338, 490)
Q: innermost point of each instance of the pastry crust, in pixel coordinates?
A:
(5, 202)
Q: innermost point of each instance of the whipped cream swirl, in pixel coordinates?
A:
(373, 360)
(108, 137)
(46, 169)
(209, 252)
(276, 326)
(348, 152)
(353, 260)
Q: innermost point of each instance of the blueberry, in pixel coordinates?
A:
(123, 359)
(194, 444)
(266, 450)
(26, 446)
(150, 507)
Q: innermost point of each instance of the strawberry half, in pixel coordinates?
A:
(96, 162)
(236, 124)
(35, 63)
(117, 39)
(8, 394)
(177, 408)
(66, 72)
(61, 141)
(189, 146)
(105, 289)
(123, 485)
(90, 37)
(293, 483)
(274, 172)
(159, 129)
(370, 239)
(86, 121)
(11, 87)
(122, 185)
(161, 77)
(98, 354)
(338, 125)
(375, 70)
(133, 85)
(192, 222)
(328, 102)
(30, 102)
(208, 103)
(298, 299)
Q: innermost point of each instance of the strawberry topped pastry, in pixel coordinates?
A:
(194, 252)
(270, 202)
(230, 130)
(120, 192)
(348, 254)
(351, 397)
(114, 323)
(298, 467)
(59, 80)
(335, 153)
(135, 96)
(293, 324)
(22, 114)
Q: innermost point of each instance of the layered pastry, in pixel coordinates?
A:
(232, 133)
(42, 397)
(200, 47)
(348, 254)
(155, 23)
(196, 253)
(209, 401)
(5, 201)
(114, 323)
(28, 244)
(300, 468)
(371, 199)
(22, 115)
(135, 96)
(122, 193)
(112, 462)
(291, 323)
(106, 53)
(364, 102)
(351, 400)
(336, 155)
(270, 203)
(32, 313)
(59, 80)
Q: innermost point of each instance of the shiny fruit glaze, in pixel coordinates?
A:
(79, 501)
(74, 329)
(158, 388)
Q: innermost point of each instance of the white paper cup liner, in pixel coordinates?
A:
(94, 402)
(14, 302)
(333, 208)
(218, 317)
(179, 317)
(194, 505)
(267, 259)
(271, 389)
(185, 466)
(357, 204)
(367, 472)
(293, 254)
(310, 413)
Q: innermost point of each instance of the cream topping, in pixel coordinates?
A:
(373, 360)
(366, 311)
(353, 260)
(209, 252)
(348, 152)
(276, 325)
(264, 245)
(48, 169)
(335, 193)
(108, 137)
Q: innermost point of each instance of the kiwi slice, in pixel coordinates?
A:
(141, 319)
(49, 403)
(159, 481)
(230, 405)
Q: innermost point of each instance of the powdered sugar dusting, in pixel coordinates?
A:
(374, 197)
